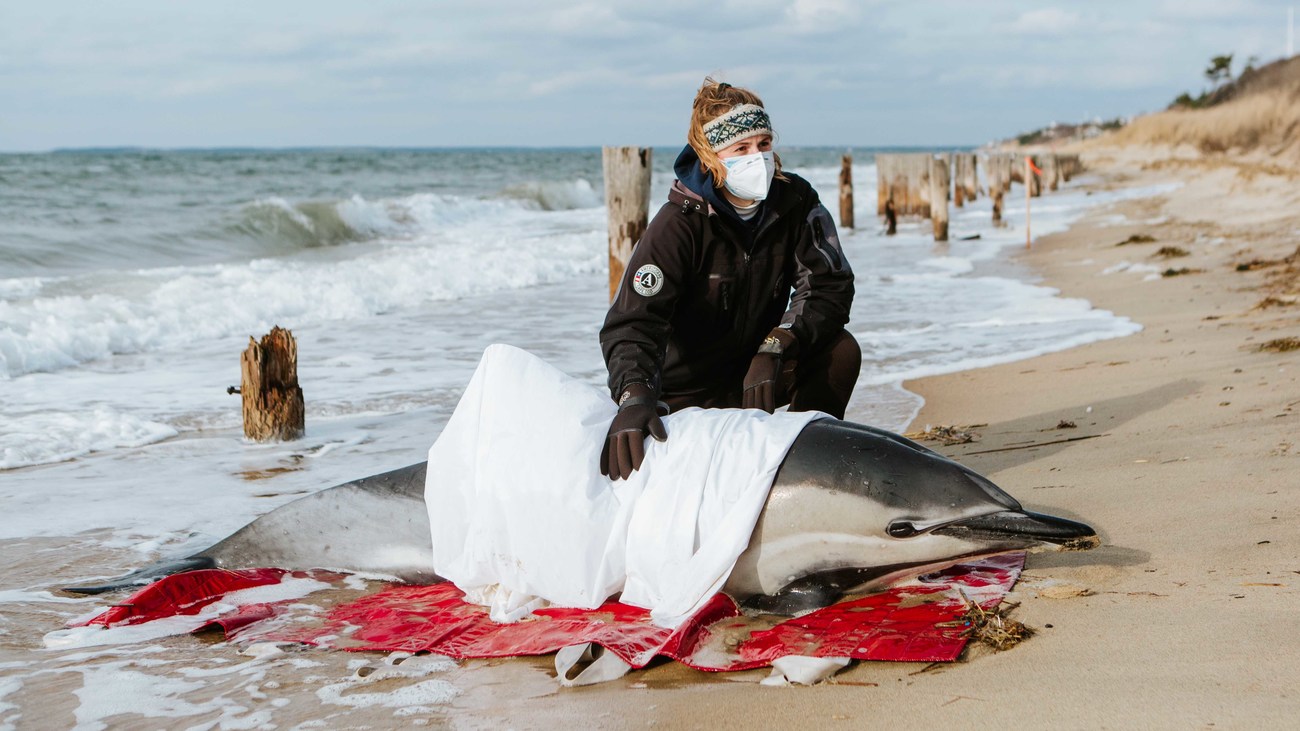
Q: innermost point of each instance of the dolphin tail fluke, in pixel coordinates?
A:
(147, 575)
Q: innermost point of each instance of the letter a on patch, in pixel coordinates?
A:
(648, 280)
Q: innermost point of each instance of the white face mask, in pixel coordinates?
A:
(748, 176)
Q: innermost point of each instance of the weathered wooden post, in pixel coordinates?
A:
(627, 201)
(846, 191)
(959, 177)
(898, 182)
(882, 183)
(906, 202)
(891, 218)
(921, 182)
(1051, 171)
(971, 178)
(272, 400)
(939, 197)
(995, 173)
(1069, 165)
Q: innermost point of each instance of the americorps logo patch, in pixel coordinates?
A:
(648, 280)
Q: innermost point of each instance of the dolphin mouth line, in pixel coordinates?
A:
(1024, 526)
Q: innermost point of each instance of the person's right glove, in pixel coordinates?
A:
(637, 416)
(761, 381)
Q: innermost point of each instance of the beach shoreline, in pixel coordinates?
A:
(1176, 442)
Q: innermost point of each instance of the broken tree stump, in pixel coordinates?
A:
(272, 400)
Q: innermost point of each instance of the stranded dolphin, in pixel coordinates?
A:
(851, 508)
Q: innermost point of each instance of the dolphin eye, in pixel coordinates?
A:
(901, 529)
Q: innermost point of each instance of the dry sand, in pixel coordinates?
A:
(1183, 453)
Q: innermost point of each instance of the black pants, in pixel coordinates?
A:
(821, 380)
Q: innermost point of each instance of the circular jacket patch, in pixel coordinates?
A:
(648, 280)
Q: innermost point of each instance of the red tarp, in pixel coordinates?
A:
(918, 622)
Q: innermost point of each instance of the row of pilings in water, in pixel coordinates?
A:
(925, 183)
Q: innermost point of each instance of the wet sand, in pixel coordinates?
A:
(1178, 444)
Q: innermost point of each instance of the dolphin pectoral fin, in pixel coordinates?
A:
(1024, 526)
(147, 575)
(817, 590)
(800, 597)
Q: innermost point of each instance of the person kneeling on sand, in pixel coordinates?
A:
(737, 294)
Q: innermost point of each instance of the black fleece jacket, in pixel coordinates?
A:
(704, 287)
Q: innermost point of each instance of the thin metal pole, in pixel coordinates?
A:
(1028, 184)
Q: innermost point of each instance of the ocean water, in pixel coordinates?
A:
(130, 281)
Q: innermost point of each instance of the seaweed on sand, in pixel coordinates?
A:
(993, 627)
(1137, 239)
(1279, 345)
(949, 435)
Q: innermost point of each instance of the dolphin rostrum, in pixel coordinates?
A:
(851, 508)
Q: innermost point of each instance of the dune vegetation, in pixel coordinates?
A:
(1257, 112)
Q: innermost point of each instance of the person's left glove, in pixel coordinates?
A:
(764, 373)
(638, 415)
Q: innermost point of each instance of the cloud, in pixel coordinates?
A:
(1045, 21)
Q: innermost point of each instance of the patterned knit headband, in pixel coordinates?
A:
(741, 122)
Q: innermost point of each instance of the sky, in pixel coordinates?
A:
(446, 73)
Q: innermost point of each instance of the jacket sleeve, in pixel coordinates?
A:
(635, 334)
(823, 284)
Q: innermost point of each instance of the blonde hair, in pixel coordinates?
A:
(713, 100)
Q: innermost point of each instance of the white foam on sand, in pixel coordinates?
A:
(18, 595)
(8, 718)
(411, 699)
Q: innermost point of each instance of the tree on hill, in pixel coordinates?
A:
(1219, 72)
(1220, 69)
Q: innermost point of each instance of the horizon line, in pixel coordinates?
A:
(316, 148)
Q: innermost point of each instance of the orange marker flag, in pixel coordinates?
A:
(1030, 162)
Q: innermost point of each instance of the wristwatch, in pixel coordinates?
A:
(771, 344)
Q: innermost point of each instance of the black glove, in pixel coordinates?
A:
(765, 371)
(637, 416)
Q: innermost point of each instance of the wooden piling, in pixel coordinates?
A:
(272, 400)
(995, 172)
(1051, 172)
(939, 197)
(846, 192)
(920, 182)
(1070, 166)
(898, 183)
(959, 178)
(627, 201)
(882, 183)
(970, 176)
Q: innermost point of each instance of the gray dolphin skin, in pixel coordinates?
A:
(852, 508)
